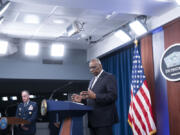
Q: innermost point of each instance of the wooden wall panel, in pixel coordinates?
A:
(148, 65)
(172, 36)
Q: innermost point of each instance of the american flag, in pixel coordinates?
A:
(140, 115)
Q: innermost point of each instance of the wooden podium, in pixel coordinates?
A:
(15, 121)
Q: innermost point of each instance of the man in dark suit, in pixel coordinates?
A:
(101, 95)
(27, 110)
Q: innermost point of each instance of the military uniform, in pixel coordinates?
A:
(27, 112)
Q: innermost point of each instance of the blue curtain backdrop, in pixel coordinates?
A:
(119, 63)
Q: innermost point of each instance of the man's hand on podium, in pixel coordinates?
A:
(76, 98)
(57, 124)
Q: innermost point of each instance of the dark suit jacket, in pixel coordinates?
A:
(104, 112)
(28, 113)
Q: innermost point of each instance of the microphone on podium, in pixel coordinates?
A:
(59, 89)
(8, 112)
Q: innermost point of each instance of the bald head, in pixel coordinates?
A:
(95, 66)
(25, 96)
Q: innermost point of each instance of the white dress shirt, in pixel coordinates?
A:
(96, 78)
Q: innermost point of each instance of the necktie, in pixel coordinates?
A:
(25, 104)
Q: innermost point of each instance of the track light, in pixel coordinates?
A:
(138, 27)
(74, 28)
(4, 7)
(123, 36)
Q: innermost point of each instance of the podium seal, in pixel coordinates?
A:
(43, 107)
(3, 123)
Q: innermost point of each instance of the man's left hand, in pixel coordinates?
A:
(88, 94)
(24, 128)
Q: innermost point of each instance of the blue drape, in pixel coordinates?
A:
(119, 63)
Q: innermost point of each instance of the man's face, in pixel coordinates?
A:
(25, 96)
(95, 68)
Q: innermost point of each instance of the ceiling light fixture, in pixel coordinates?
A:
(4, 7)
(74, 28)
(3, 47)
(178, 2)
(59, 21)
(32, 48)
(111, 15)
(13, 98)
(32, 96)
(138, 27)
(4, 98)
(57, 50)
(123, 36)
(31, 19)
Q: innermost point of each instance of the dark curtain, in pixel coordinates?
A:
(119, 63)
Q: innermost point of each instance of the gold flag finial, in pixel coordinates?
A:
(136, 42)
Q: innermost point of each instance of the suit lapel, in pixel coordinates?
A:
(90, 83)
(98, 80)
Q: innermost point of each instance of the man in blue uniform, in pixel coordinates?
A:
(27, 110)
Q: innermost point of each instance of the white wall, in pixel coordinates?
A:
(19, 66)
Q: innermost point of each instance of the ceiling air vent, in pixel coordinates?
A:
(50, 61)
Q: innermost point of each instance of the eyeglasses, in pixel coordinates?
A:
(93, 67)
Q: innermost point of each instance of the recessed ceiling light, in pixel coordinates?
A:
(13, 98)
(138, 27)
(32, 48)
(59, 21)
(31, 19)
(3, 47)
(4, 98)
(57, 50)
(65, 94)
(32, 96)
(178, 2)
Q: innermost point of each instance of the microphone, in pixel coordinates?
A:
(58, 89)
(8, 107)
